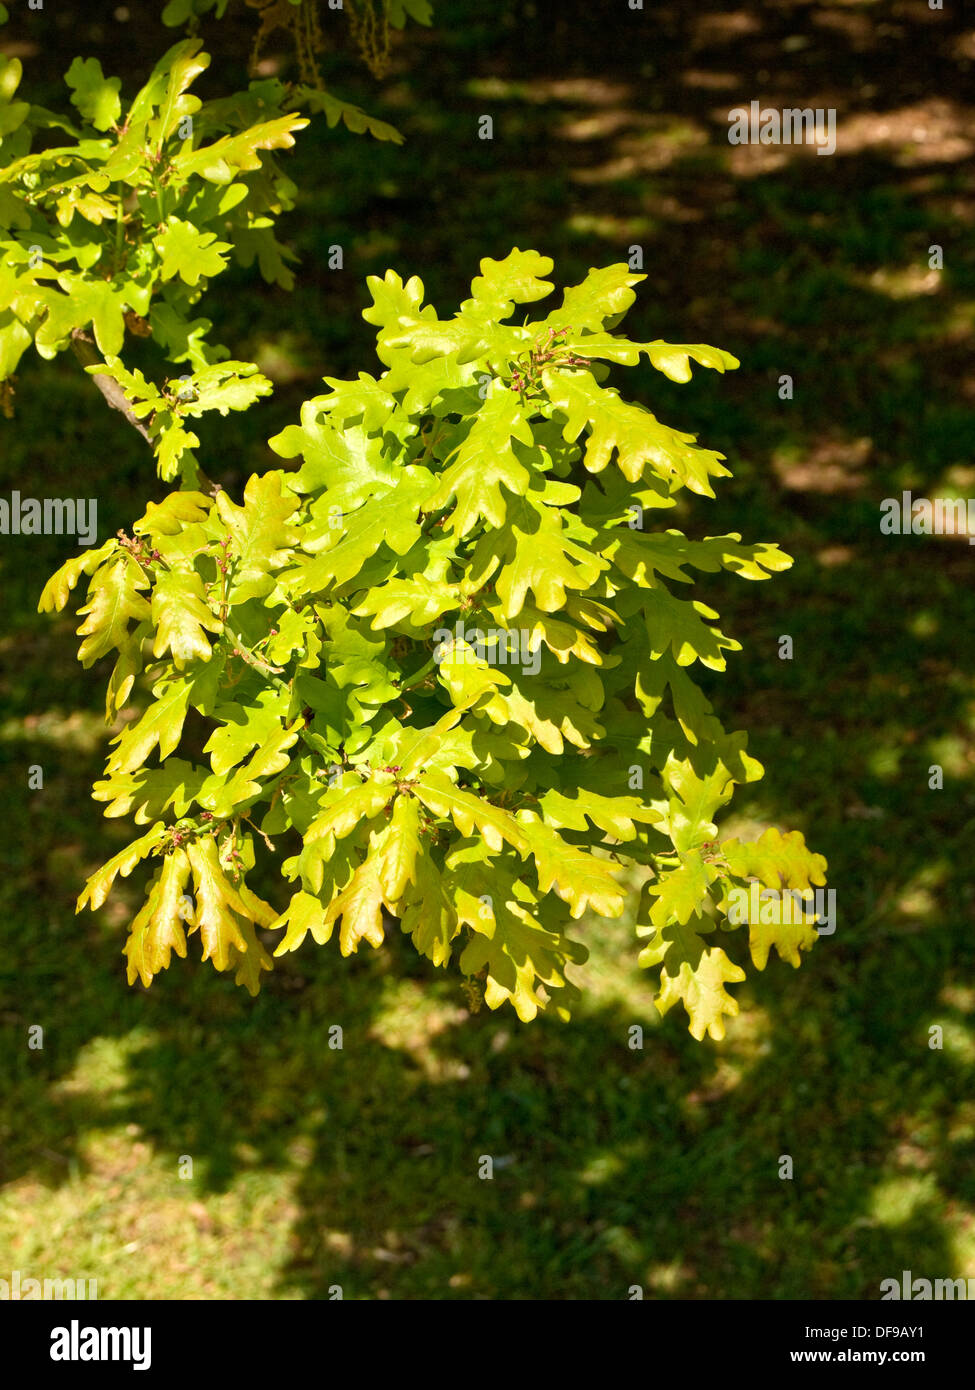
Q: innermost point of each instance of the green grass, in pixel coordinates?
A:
(313, 1167)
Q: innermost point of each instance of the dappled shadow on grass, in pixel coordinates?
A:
(617, 1167)
(657, 1167)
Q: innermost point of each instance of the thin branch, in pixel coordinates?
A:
(84, 350)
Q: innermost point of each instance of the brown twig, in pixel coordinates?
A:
(84, 349)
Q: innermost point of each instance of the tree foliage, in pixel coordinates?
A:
(120, 224)
(439, 667)
(346, 632)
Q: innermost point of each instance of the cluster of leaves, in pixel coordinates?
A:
(120, 224)
(320, 689)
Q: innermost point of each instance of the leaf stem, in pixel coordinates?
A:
(314, 742)
(419, 676)
(119, 227)
(252, 659)
(159, 206)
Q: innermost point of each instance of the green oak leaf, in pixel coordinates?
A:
(776, 860)
(114, 600)
(427, 911)
(629, 433)
(534, 554)
(335, 110)
(95, 95)
(517, 953)
(695, 975)
(261, 537)
(99, 885)
(578, 877)
(188, 252)
(222, 908)
(484, 464)
(389, 519)
(157, 929)
(160, 726)
(503, 284)
(613, 814)
(181, 614)
(221, 161)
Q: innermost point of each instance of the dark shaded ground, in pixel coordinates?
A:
(656, 1167)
